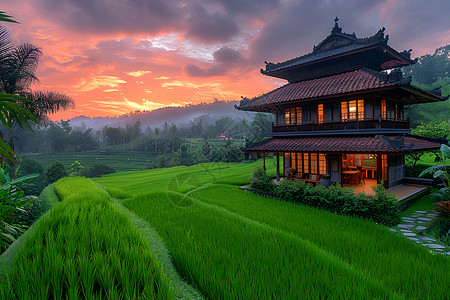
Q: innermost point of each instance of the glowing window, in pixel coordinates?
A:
(306, 162)
(300, 162)
(360, 109)
(299, 115)
(322, 164)
(287, 116)
(352, 110)
(383, 109)
(320, 113)
(344, 110)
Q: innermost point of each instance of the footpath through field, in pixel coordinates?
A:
(413, 226)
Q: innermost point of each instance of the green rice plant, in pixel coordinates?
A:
(118, 193)
(76, 244)
(406, 268)
(227, 256)
(183, 179)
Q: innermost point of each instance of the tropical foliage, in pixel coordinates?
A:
(12, 201)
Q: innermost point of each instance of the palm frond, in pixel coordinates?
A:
(5, 41)
(6, 18)
(11, 111)
(7, 152)
(23, 67)
(42, 103)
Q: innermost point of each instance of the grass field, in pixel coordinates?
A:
(123, 158)
(208, 222)
(120, 160)
(227, 243)
(85, 248)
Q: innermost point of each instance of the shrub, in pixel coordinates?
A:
(29, 165)
(98, 170)
(54, 172)
(261, 181)
(380, 208)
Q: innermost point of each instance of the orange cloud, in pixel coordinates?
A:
(98, 81)
(138, 73)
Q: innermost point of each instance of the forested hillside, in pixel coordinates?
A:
(432, 71)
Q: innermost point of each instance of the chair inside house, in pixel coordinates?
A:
(313, 179)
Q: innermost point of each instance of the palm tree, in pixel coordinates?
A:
(18, 104)
(18, 67)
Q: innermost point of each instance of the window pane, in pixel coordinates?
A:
(292, 115)
(299, 115)
(358, 159)
(299, 162)
(322, 164)
(352, 109)
(344, 110)
(320, 113)
(306, 162)
(287, 116)
(360, 109)
(383, 109)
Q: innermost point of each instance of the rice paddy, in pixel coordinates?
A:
(226, 243)
(85, 248)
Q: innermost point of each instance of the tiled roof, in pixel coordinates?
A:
(374, 144)
(359, 80)
(316, 56)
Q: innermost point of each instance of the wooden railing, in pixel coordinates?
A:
(343, 125)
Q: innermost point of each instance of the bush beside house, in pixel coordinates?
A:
(381, 208)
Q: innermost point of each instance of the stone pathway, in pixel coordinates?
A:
(412, 227)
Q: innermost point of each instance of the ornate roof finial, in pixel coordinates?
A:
(336, 28)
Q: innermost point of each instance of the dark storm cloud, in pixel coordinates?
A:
(210, 27)
(252, 7)
(224, 59)
(299, 25)
(417, 21)
(227, 55)
(106, 16)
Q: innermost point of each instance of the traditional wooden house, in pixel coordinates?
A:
(342, 111)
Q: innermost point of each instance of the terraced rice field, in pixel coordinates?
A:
(229, 244)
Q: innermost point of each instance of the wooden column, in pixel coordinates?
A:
(278, 166)
(284, 165)
(379, 169)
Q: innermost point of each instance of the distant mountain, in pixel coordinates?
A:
(181, 116)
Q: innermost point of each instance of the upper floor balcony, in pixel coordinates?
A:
(344, 125)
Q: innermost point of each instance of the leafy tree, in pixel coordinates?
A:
(113, 135)
(184, 157)
(431, 67)
(28, 166)
(54, 172)
(431, 72)
(76, 169)
(82, 141)
(431, 130)
(98, 170)
(428, 130)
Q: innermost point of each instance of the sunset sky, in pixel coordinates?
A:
(117, 56)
